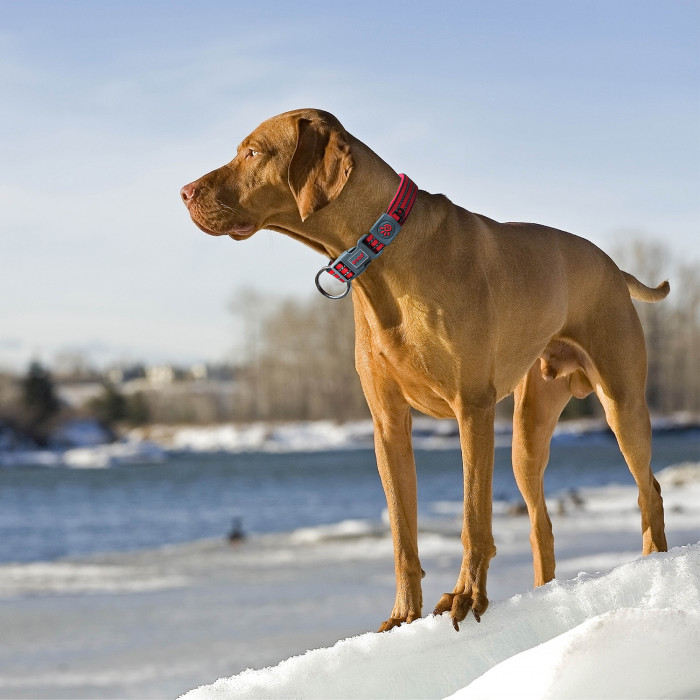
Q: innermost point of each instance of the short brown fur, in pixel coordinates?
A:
(458, 313)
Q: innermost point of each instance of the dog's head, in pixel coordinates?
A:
(295, 163)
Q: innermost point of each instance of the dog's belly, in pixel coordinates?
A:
(431, 382)
(425, 400)
(442, 362)
(425, 396)
(433, 378)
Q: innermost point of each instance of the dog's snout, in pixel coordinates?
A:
(188, 192)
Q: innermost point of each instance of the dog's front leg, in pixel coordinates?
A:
(476, 432)
(397, 469)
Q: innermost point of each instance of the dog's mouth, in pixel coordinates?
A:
(238, 233)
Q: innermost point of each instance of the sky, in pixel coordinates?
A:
(580, 115)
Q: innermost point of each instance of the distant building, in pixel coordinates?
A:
(160, 375)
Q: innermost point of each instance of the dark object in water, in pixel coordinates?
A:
(236, 533)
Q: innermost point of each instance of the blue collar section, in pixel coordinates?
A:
(354, 261)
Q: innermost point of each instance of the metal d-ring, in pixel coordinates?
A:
(327, 268)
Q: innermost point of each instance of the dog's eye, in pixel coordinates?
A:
(252, 153)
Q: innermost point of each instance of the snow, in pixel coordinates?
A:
(633, 632)
(103, 456)
(307, 436)
(80, 445)
(140, 445)
(268, 437)
(88, 456)
(595, 660)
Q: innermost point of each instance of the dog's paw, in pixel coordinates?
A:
(460, 604)
(397, 622)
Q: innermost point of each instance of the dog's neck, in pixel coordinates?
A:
(368, 192)
(366, 195)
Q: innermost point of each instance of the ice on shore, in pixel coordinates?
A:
(304, 436)
(631, 632)
(82, 446)
(88, 456)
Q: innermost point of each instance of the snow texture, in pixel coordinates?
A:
(633, 632)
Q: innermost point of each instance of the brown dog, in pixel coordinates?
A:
(460, 312)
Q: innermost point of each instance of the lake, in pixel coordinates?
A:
(50, 513)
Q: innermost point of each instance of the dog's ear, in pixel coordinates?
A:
(320, 167)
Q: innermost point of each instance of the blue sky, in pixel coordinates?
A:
(580, 115)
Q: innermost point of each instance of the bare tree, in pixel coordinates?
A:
(671, 327)
(299, 360)
(296, 358)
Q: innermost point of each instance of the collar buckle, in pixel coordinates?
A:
(355, 260)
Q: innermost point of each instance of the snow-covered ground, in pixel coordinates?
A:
(157, 623)
(631, 633)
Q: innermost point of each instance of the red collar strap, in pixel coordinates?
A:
(355, 260)
(404, 199)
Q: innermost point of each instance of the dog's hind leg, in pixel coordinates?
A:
(628, 416)
(538, 405)
(618, 375)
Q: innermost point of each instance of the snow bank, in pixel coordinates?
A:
(268, 437)
(632, 632)
(301, 436)
(88, 456)
(310, 436)
(627, 653)
(140, 444)
(104, 456)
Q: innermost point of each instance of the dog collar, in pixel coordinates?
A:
(354, 261)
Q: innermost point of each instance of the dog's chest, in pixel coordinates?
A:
(421, 361)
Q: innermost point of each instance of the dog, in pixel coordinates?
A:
(460, 312)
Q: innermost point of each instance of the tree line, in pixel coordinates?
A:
(295, 361)
(298, 360)
(671, 327)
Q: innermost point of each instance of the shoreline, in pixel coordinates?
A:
(155, 444)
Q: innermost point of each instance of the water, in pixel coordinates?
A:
(46, 514)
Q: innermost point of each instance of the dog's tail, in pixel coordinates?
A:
(642, 292)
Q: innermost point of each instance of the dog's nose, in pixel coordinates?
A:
(188, 192)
